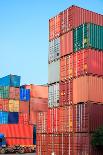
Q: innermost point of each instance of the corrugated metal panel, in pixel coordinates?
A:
(3, 117)
(24, 94)
(33, 118)
(66, 93)
(4, 105)
(66, 44)
(37, 91)
(17, 131)
(14, 93)
(66, 67)
(88, 88)
(13, 118)
(88, 61)
(4, 92)
(14, 105)
(53, 95)
(19, 141)
(54, 49)
(23, 118)
(24, 107)
(88, 35)
(54, 72)
(10, 80)
(42, 122)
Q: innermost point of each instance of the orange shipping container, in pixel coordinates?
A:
(24, 107)
(38, 91)
(88, 88)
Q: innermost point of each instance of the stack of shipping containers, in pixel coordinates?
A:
(14, 111)
(75, 81)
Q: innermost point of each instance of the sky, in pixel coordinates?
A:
(24, 35)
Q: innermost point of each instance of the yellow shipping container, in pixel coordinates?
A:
(14, 105)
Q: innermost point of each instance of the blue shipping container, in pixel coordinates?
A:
(3, 117)
(24, 94)
(34, 135)
(10, 80)
(13, 118)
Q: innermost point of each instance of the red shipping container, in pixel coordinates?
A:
(66, 67)
(4, 105)
(19, 141)
(38, 91)
(41, 144)
(88, 88)
(24, 106)
(41, 122)
(87, 117)
(66, 93)
(14, 93)
(24, 118)
(54, 27)
(66, 44)
(33, 118)
(38, 104)
(17, 131)
(75, 16)
(65, 123)
(88, 61)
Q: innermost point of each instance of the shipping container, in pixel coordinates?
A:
(24, 94)
(24, 107)
(54, 27)
(42, 144)
(54, 50)
(24, 118)
(37, 91)
(13, 118)
(3, 117)
(66, 92)
(34, 134)
(53, 96)
(88, 61)
(65, 123)
(54, 72)
(17, 131)
(41, 122)
(88, 88)
(10, 80)
(88, 35)
(33, 118)
(4, 105)
(87, 117)
(66, 44)
(19, 141)
(14, 105)
(66, 67)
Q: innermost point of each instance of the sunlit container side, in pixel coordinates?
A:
(87, 117)
(65, 123)
(19, 141)
(10, 80)
(4, 92)
(17, 130)
(74, 16)
(66, 67)
(4, 105)
(66, 44)
(24, 118)
(3, 117)
(42, 144)
(88, 88)
(33, 118)
(24, 94)
(14, 105)
(88, 61)
(24, 107)
(88, 35)
(66, 92)
(54, 27)
(37, 91)
(53, 100)
(52, 120)
(41, 122)
(54, 50)
(54, 72)
(13, 118)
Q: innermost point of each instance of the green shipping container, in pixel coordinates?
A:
(4, 92)
(88, 35)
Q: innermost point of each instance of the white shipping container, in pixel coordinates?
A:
(54, 72)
